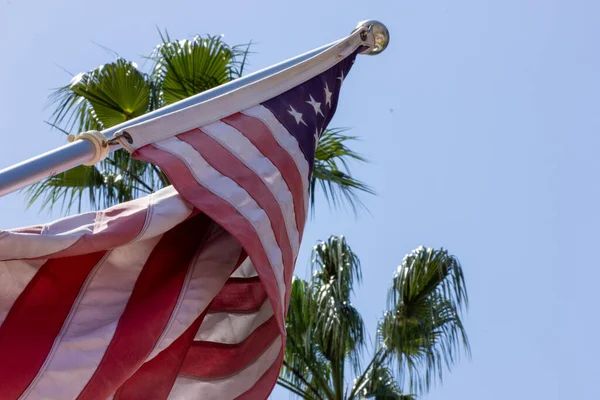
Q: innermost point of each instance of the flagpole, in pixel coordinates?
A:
(18, 176)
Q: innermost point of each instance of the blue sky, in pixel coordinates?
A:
(481, 120)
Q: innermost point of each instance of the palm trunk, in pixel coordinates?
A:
(337, 375)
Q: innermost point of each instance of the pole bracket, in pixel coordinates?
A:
(99, 141)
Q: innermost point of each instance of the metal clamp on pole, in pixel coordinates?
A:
(99, 141)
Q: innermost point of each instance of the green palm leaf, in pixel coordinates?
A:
(423, 329)
(340, 326)
(103, 97)
(331, 171)
(66, 188)
(187, 67)
(101, 188)
(380, 384)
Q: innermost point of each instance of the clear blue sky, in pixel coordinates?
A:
(482, 121)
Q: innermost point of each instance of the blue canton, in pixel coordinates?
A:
(307, 109)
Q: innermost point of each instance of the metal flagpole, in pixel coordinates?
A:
(18, 176)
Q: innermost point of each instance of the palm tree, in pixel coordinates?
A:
(420, 335)
(119, 91)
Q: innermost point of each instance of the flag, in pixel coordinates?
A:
(181, 294)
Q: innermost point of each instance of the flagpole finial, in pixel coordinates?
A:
(376, 35)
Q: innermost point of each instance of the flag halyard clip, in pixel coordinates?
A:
(124, 139)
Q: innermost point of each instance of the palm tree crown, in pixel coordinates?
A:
(419, 335)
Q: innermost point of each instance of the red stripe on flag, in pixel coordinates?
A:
(260, 136)
(36, 318)
(216, 360)
(229, 165)
(155, 379)
(246, 292)
(150, 306)
(222, 213)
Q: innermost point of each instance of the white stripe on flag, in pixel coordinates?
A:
(245, 270)
(72, 225)
(30, 245)
(232, 328)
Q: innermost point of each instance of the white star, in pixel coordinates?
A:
(327, 96)
(297, 116)
(341, 77)
(316, 105)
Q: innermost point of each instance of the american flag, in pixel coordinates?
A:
(181, 294)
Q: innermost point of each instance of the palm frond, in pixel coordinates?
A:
(331, 171)
(379, 383)
(293, 388)
(239, 59)
(68, 189)
(116, 179)
(339, 325)
(73, 111)
(101, 98)
(334, 262)
(423, 329)
(187, 67)
(65, 188)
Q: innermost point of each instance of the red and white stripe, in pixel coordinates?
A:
(179, 295)
(246, 165)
